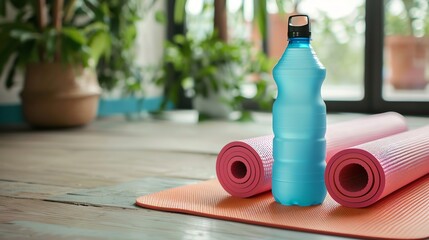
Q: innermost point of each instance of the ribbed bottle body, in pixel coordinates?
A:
(299, 126)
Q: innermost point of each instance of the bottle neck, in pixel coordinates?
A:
(299, 42)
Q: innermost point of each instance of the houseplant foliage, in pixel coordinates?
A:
(259, 11)
(95, 28)
(30, 38)
(407, 43)
(216, 70)
(120, 17)
(58, 49)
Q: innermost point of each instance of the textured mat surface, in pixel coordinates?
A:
(362, 175)
(401, 215)
(244, 167)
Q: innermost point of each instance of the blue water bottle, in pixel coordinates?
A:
(299, 121)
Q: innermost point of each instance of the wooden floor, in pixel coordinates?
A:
(82, 183)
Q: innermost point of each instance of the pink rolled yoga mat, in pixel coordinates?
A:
(244, 167)
(360, 176)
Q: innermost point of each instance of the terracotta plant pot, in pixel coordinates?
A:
(407, 56)
(59, 95)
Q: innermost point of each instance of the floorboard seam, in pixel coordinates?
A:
(70, 202)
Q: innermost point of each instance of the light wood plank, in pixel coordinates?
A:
(121, 195)
(89, 168)
(197, 138)
(31, 190)
(29, 219)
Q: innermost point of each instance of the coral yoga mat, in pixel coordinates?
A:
(362, 175)
(401, 215)
(244, 167)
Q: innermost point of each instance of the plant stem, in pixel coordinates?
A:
(57, 19)
(58, 13)
(220, 20)
(69, 10)
(41, 17)
(41, 22)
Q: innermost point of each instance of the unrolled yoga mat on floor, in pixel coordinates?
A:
(362, 175)
(403, 214)
(244, 167)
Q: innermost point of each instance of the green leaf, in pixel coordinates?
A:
(133, 86)
(48, 40)
(260, 8)
(19, 4)
(129, 37)
(4, 40)
(70, 8)
(281, 6)
(73, 51)
(214, 84)
(179, 11)
(172, 93)
(203, 117)
(27, 52)
(9, 79)
(24, 36)
(181, 39)
(6, 53)
(74, 34)
(3, 8)
(90, 7)
(99, 45)
(95, 27)
(160, 17)
(9, 26)
(246, 116)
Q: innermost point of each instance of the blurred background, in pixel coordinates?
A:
(214, 56)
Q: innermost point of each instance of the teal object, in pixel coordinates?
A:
(299, 122)
(11, 114)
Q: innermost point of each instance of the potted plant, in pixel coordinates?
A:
(407, 48)
(215, 70)
(212, 72)
(58, 55)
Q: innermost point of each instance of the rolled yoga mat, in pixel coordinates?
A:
(360, 176)
(244, 167)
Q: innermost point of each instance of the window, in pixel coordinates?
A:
(382, 70)
(357, 42)
(338, 37)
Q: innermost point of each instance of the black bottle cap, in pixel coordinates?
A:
(296, 27)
